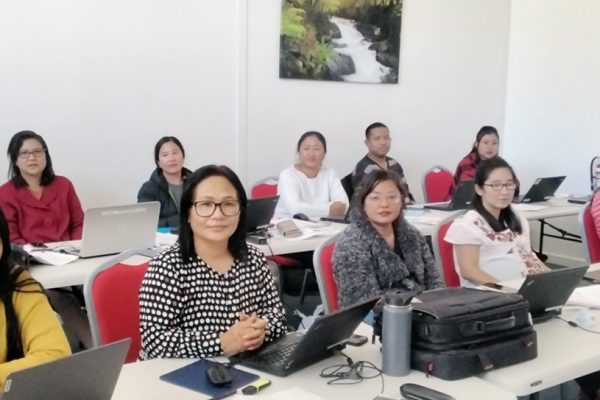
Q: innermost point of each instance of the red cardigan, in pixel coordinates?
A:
(57, 216)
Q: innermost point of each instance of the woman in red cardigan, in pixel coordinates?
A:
(41, 207)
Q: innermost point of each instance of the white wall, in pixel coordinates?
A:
(553, 99)
(103, 80)
(452, 81)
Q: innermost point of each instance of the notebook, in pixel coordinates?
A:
(111, 230)
(300, 349)
(547, 292)
(541, 190)
(461, 198)
(90, 375)
(260, 212)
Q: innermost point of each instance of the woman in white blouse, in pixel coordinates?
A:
(309, 188)
(491, 242)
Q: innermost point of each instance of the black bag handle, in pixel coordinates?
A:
(481, 327)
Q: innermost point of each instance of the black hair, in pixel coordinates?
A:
(14, 146)
(485, 130)
(372, 179)
(237, 241)
(9, 284)
(316, 134)
(507, 219)
(163, 140)
(373, 126)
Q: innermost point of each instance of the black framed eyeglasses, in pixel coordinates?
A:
(498, 186)
(206, 208)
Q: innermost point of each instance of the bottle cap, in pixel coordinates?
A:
(397, 297)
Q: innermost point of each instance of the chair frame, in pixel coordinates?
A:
(437, 254)
(584, 235)
(327, 306)
(88, 293)
(424, 185)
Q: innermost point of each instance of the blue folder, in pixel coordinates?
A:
(194, 377)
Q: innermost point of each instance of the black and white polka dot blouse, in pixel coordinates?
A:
(185, 306)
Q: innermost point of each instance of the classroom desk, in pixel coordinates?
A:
(141, 381)
(564, 353)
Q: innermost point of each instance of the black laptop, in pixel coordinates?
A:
(259, 213)
(461, 198)
(90, 375)
(298, 350)
(541, 190)
(547, 292)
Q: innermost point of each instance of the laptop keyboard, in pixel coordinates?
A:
(276, 357)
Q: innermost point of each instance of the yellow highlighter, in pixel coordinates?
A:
(255, 386)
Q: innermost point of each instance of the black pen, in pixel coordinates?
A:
(224, 395)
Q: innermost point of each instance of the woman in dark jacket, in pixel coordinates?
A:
(166, 182)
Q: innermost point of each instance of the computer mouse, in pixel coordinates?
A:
(301, 216)
(219, 375)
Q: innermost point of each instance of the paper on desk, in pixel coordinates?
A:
(293, 393)
(165, 239)
(425, 219)
(309, 229)
(527, 207)
(587, 296)
(47, 256)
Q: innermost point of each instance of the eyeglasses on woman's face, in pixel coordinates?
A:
(206, 208)
(497, 186)
(36, 153)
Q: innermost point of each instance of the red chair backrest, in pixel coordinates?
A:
(446, 255)
(436, 185)
(263, 189)
(591, 239)
(327, 285)
(115, 293)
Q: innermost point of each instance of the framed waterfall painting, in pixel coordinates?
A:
(340, 40)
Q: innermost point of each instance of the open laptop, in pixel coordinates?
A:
(461, 198)
(260, 212)
(547, 292)
(90, 375)
(111, 230)
(298, 350)
(541, 190)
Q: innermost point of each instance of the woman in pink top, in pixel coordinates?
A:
(41, 207)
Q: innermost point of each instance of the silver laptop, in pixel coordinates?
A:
(90, 375)
(111, 230)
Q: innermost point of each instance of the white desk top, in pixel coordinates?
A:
(564, 353)
(141, 381)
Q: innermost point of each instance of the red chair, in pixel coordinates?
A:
(111, 297)
(437, 183)
(589, 236)
(323, 262)
(264, 188)
(444, 254)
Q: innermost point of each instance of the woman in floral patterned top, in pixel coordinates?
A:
(491, 242)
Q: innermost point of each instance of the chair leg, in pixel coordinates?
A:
(304, 282)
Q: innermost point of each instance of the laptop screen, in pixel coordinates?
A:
(260, 212)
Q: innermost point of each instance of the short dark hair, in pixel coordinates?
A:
(483, 131)
(14, 146)
(368, 183)
(237, 241)
(163, 140)
(508, 219)
(316, 134)
(373, 126)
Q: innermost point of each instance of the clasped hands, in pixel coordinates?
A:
(246, 334)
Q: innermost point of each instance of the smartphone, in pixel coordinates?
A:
(357, 340)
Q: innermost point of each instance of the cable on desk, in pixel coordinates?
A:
(351, 373)
(576, 325)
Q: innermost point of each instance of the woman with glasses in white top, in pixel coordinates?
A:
(491, 241)
(380, 250)
(210, 293)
